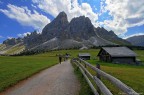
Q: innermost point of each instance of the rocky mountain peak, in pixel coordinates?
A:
(62, 15)
(54, 28)
(61, 19)
(79, 28)
(82, 19)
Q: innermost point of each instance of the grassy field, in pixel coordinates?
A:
(14, 69)
(130, 75)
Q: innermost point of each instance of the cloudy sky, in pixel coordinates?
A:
(20, 17)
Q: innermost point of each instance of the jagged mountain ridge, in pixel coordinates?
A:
(136, 40)
(61, 34)
(79, 32)
(110, 36)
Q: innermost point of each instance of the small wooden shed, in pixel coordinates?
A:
(85, 56)
(117, 55)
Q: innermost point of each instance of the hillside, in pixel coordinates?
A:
(110, 36)
(136, 40)
(11, 49)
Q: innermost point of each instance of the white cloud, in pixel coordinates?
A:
(24, 34)
(1, 37)
(71, 7)
(33, 6)
(125, 13)
(25, 17)
(137, 34)
(9, 37)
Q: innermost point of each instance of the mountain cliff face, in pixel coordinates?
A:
(61, 34)
(49, 32)
(32, 40)
(110, 36)
(136, 40)
(79, 28)
(55, 28)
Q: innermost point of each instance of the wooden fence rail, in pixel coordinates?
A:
(101, 87)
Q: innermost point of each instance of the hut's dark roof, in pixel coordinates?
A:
(84, 54)
(119, 51)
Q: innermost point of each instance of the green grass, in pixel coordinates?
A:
(140, 54)
(74, 53)
(14, 69)
(130, 75)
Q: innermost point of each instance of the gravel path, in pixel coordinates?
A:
(57, 80)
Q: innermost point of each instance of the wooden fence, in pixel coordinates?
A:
(102, 89)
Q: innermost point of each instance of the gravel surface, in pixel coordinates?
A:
(57, 80)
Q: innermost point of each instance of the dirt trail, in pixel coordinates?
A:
(57, 80)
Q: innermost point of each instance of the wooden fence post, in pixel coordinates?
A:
(98, 76)
(77, 67)
(85, 67)
(98, 66)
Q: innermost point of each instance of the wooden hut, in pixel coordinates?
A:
(117, 55)
(85, 56)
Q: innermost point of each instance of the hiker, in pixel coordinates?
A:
(60, 59)
(67, 56)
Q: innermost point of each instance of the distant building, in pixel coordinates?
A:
(117, 55)
(85, 56)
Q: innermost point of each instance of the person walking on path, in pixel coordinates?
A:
(66, 56)
(60, 58)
